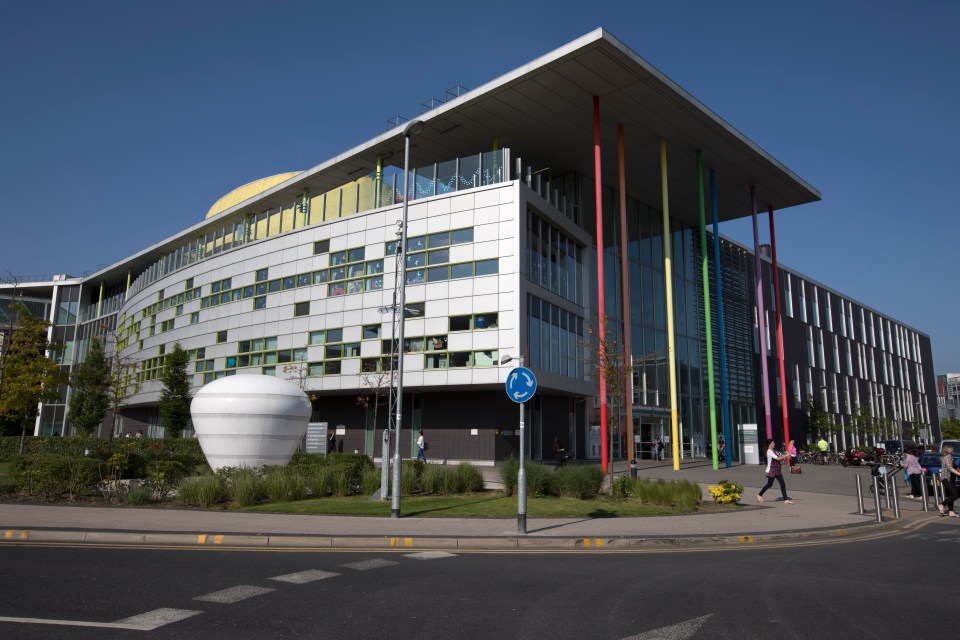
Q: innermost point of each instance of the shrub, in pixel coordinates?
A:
(320, 481)
(245, 487)
(623, 487)
(578, 481)
(726, 492)
(540, 479)
(8, 485)
(284, 484)
(342, 482)
(508, 475)
(371, 481)
(203, 491)
(471, 478)
(138, 496)
(51, 474)
(681, 493)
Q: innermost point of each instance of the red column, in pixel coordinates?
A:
(776, 297)
(601, 330)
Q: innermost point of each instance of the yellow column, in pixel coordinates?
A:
(128, 282)
(100, 301)
(668, 275)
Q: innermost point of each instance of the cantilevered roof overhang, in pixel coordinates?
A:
(543, 111)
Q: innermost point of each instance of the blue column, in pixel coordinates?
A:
(724, 397)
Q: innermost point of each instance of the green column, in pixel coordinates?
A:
(706, 308)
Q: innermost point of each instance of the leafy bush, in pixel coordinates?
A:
(539, 477)
(681, 493)
(470, 478)
(578, 481)
(320, 481)
(443, 480)
(726, 492)
(203, 491)
(623, 487)
(185, 449)
(53, 475)
(508, 475)
(371, 481)
(8, 485)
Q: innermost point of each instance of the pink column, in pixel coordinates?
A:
(602, 334)
(776, 293)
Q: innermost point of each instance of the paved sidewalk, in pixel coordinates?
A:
(825, 506)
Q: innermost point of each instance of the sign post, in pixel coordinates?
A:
(521, 385)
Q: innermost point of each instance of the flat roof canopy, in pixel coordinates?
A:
(543, 111)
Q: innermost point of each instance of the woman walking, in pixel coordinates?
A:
(914, 472)
(792, 452)
(774, 472)
(948, 480)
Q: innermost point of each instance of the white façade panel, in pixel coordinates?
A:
(437, 291)
(438, 222)
(461, 219)
(460, 341)
(415, 212)
(487, 198)
(438, 207)
(463, 202)
(485, 285)
(436, 326)
(416, 227)
(488, 339)
(485, 375)
(486, 216)
(486, 250)
(461, 253)
(459, 376)
(435, 378)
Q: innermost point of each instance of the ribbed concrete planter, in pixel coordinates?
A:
(249, 420)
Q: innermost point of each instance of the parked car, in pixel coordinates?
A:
(931, 461)
(893, 446)
(950, 443)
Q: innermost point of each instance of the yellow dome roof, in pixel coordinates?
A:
(247, 191)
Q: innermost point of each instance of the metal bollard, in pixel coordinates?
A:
(876, 498)
(895, 497)
(886, 487)
(633, 469)
(935, 483)
(859, 493)
(923, 492)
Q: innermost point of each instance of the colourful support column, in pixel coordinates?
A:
(601, 315)
(705, 268)
(100, 300)
(724, 398)
(761, 325)
(668, 276)
(378, 181)
(128, 283)
(625, 298)
(776, 293)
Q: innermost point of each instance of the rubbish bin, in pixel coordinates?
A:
(633, 469)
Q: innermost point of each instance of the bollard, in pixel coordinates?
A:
(859, 493)
(876, 498)
(895, 497)
(886, 485)
(923, 492)
(633, 469)
(935, 483)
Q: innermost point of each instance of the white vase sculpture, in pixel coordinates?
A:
(249, 420)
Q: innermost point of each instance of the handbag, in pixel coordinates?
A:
(795, 469)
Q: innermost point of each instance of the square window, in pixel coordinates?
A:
(331, 368)
(285, 356)
(221, 337)
(231, 362)
(336, 289)
(316, 337)
(269, 344)
(269, 371)
(179, 309)
(374, 267)
(441, 239)
(261, 289)
(356, 255)
(460, 236)
(256, 345)
(189, 284)
(437, 343)
(260, 303)
(337, 273)
(290, 282)
(356, 270)
(299, 355)
(243, 346)
(416, 276)
(375, 283)
(416, 244)
(438, 256)
(304, 279)
(226, 284)
(438, 274)
(485, 321)
(262, 275)
(334, 335)
(214, 287)
(321, 246)
(413, 310)
(319, 277)
(459, 359)
(371, 332)
(388, 346)
(415, 260)
(243, 361)
(273, 286)
(351, 350)
(487, 267)
(340, 257)
(248, 291)
(235, 294)
(390, 249)
(195, 317)
(355, 286)
(333, 351)
(459, 323)
(436, 361)
(463, 270)
(484, 358)
(301, 309)
(315, 369)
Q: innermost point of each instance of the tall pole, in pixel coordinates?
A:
(761, 325)
(705, 269)
(776, 297)
(625, 297)
(601, 310)
(668, 277)
(522, 475)
(413, 127)
(724, 399)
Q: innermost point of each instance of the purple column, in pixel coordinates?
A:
(761, 328)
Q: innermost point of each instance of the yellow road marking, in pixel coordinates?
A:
(746, 540)
(202, 538)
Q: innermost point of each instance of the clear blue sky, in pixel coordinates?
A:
(122, 122)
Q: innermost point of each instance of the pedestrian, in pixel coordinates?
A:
(422, 447)
(914, 472)
(559, 452)
(948, 480)
(792, 450)
(774, 472)
(824, 447)
(658, 448)
(139, 433)
(331, 441)
(723, 450)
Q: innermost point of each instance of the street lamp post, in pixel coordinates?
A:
(522, 474)
(413, 128)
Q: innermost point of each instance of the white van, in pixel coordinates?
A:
(950, 443)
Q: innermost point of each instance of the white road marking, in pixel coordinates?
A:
(303, 577)
(143, 622)
(363, 565)
(430, 555)
(679, 631)
(157, 618)
(234, 594)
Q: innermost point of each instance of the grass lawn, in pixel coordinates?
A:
(476, 505)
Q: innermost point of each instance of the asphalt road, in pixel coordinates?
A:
(886, 587)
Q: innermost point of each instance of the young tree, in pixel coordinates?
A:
(29, 375)
(606, 356)
(950, 429)
(862, 423)
(378, 377)
(817, 422)
(175, 398)
(123, 380)
(91, 390)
